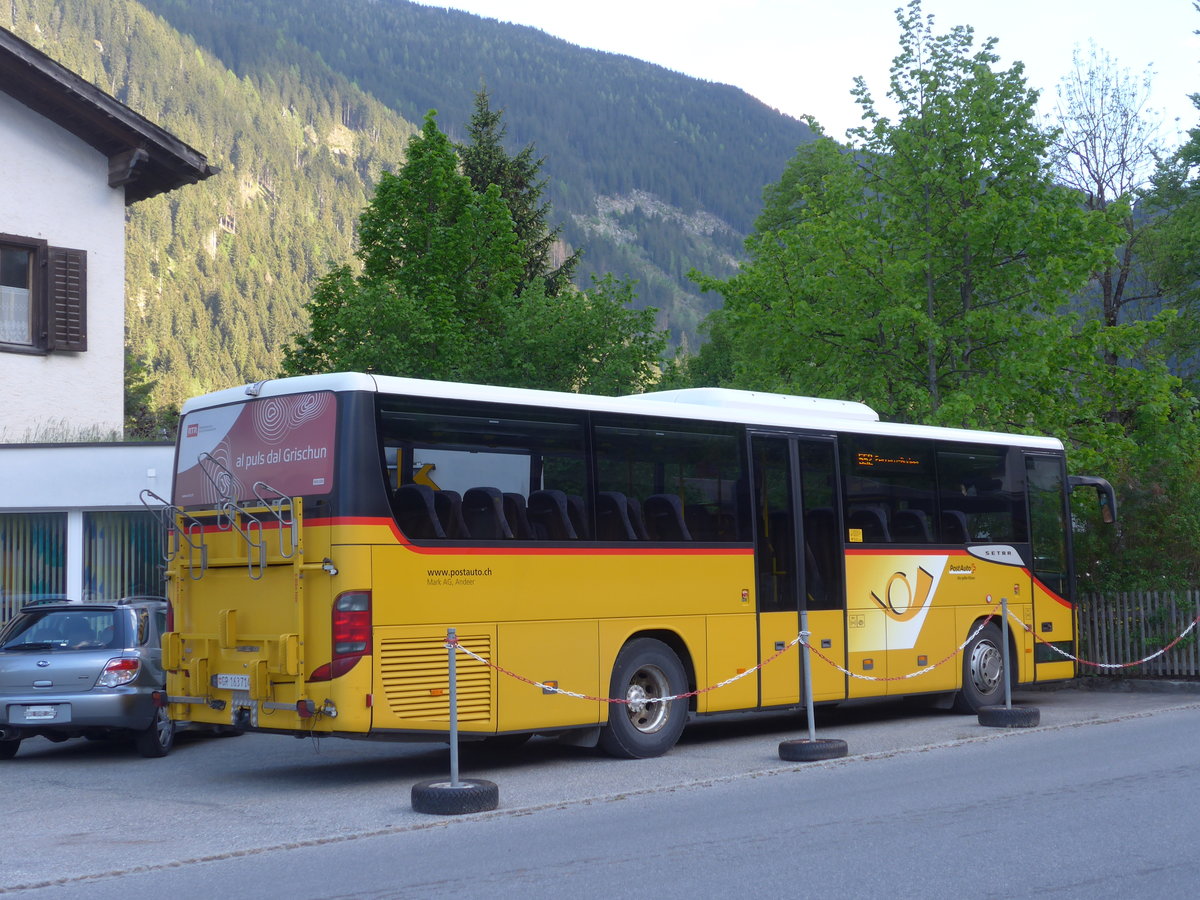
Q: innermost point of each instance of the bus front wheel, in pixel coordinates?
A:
(983, 672)
(641, 725)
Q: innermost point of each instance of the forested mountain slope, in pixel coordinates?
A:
(301, 103)
(651, 171)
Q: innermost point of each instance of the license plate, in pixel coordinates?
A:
(233, 682)
(41, 713)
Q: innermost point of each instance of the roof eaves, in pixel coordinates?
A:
(143, 157)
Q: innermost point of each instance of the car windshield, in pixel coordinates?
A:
(63, 629)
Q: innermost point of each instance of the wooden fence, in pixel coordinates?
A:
(1121, 628)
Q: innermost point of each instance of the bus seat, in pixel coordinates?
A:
(954, 527)
(870, 521)
(517, 517)
(701, 522)
(548, 516)
(483, 513)
(577, 511)
(449, 509)
(612, 517)
(636, 519)
(911, 525)
(415, 512)
(664, 518)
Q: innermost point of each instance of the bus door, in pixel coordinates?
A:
(798, 565)
(1053, 592)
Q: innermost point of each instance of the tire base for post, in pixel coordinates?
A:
(1009, 717)
(442, 798)
(804, 750)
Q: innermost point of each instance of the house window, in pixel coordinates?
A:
(43, 296)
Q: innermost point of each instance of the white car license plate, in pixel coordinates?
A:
(41, 713)
(233, 682)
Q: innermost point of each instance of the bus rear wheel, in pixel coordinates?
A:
(643, 726)
(983, 672)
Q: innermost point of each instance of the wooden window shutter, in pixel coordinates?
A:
(66, 299)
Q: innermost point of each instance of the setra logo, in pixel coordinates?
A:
(193, 430)
(900, 600)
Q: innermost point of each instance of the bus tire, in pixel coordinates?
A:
(983, 672)
(640, 727)
(441, 797)
(1010, 716)
(811, 751)
(8, 749)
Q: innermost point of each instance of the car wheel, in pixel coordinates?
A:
(983, 672)
(643, 726)
(8, 749)
(159, 738)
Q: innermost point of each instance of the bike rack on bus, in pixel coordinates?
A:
(282, 510)
(227, 515)
(172, 519)
(229, 512)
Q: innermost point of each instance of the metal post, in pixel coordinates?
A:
(810, 750)
(451, 640)
(1004, 652)
(807, 663)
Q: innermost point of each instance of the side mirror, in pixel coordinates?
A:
(1104, 492)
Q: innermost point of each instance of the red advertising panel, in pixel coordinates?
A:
(262, 448)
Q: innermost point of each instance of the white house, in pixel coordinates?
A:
(72, 158)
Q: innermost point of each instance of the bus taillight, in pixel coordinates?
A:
(351, 638)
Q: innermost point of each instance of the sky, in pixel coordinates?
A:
(801, 56)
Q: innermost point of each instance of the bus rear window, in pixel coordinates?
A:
(264, 447)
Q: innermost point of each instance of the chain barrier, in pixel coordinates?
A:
(555, 689)
(1099, 665)
(801, 638)
(941, 662)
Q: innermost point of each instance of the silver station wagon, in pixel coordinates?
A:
(90, 670)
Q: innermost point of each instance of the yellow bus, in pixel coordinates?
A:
(327, 530)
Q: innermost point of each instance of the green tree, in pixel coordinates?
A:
(1105, 148)
(440, 265)
(924, 269)
(591, 341)
(143, 420)
(485, 162)
(1171, 248)
(436, 296)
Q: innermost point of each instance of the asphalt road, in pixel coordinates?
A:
(272, 816)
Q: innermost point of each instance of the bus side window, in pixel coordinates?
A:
(679, 480)
(890, 489)
(981, 491)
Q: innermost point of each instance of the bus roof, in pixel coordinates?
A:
(710, 404)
